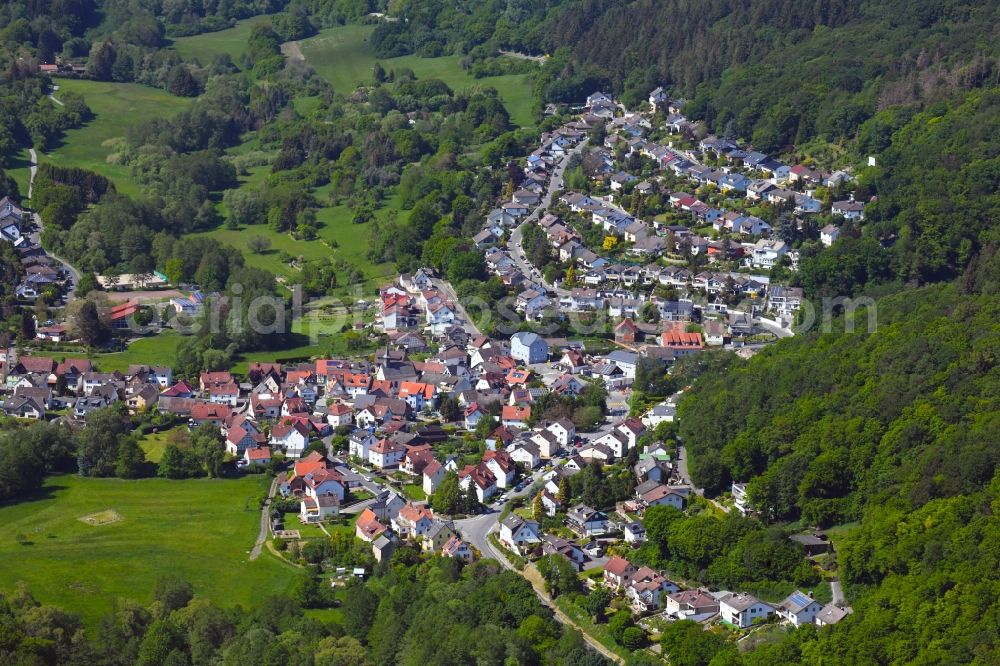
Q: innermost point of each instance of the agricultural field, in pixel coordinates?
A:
(82, 543)
(115, 107)
(342, 56)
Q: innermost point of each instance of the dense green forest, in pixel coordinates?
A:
(895, 428)
(435, 612)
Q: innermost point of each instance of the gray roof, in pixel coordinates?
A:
(797, 601)
(527, 338)
(831, 614)
(741, 602)
(621, 356)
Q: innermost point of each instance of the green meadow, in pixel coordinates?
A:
(342, 56)
(207, 45)
(200, 530)
(115, 107)
(159, 349)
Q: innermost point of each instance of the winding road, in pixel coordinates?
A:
(476, 531)
(37, 236)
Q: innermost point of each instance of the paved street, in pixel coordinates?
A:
(466, 323)
(514, 243)
(35, 236)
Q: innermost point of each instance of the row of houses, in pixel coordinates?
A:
(649, 590)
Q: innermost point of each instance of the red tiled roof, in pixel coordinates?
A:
(617, 565)
(515, 413)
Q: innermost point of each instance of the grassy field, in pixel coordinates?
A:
(342, 56)
(153, 444)
(206, 46)
(338, 237)
(200, 530)
(157, 350)
(20, 170)
(115, 107)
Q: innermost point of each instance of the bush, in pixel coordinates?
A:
(634, 638)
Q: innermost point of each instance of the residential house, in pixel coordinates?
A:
(547, 442)
(799, 608)
(338, 415)
(386, 454)
(368, 528)
(323, 493)
(586, 521)
(25, 407)
(526, 453)
(359, 444)
(829, 234)
(651, 469)
(815, 543)
(433, 475)
(767, 253)
(831, 614)
(437, 535)
(647, 589)
(663, 412)
(413, 522)
(635, 533)
(785, 300)
(715, 333)
(514, 416)
(502, 467)
(660, 495)
(743, 610)
(519, 534)
(694, 605)
(473, 415)
(481, 479)
(563, 429)
(625, 332)
(618, 573)
(291, 436)
(528, 348)
(456, 548)
(851, 210)
(552, 544)
(740, 500)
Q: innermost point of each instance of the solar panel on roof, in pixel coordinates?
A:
(800, 599)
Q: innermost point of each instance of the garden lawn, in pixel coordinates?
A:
(342, 56)
(116, 106)
(159, 349)
(200, 530)
(415, 491)
(206, 46)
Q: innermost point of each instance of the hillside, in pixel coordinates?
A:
(895, 428)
